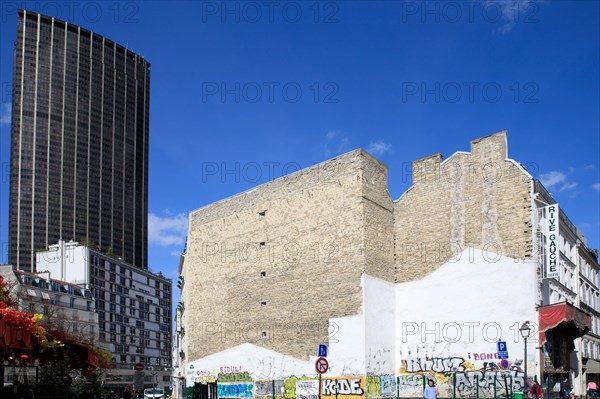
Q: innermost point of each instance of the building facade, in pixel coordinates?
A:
(400, 291)
(133, 305)
(572, 285)
(79, 142)
(65, 307)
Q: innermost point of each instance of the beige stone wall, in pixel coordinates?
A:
(316, 230)
(276, 280)
(477, 199)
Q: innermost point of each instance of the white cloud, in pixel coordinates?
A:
(168, 230)
(557, 180)
(590, 166)
(510, 12)
(596, 186)
(176, 253)
(553, 178)
(567, 186)
(336, 145)
(378, 147)
(5, 114)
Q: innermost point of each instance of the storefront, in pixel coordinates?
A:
(560, 324)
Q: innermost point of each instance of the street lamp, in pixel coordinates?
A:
(525, 330)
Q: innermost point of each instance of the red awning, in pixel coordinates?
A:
(553, 315)
(13, 337)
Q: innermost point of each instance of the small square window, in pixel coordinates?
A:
(263, 304)
(263, 244)
(262, 214)
(263, 274)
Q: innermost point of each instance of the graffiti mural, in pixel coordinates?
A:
(457, 376)
(206, 379)
(241, 390)
(269, 389)
(291, 384)
(381, 386)
(388, 386)
(344, 387)
(234, 377)
(438, 365)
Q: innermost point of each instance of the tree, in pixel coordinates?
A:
(23, 338)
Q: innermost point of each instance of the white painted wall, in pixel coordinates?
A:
(260, 363)
(462, 309)
(379, 299)
(346, 346)
(448, 321)
(65, 263)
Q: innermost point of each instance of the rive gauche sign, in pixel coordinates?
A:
(552, 239)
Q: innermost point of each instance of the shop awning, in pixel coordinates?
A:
(592, 366)
(575, 320)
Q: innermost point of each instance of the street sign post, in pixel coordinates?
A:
(138, 381)
(322, 350)
(321, 365)
(502, 350)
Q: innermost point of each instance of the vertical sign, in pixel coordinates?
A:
(322, 350)
(552, 240)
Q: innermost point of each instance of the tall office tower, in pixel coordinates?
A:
(79, 147)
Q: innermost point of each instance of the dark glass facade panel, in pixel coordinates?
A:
(79, 142)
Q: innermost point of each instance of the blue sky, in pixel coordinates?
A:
(244, 92)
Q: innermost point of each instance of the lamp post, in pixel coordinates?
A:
(525, 330)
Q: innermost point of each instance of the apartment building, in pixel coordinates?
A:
(133, 306)
(65, 307)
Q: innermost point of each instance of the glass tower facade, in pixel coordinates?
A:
(79, 143)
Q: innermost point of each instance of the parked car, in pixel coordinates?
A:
(154, 393)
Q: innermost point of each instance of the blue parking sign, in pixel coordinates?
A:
(322, 350)
(502, 350)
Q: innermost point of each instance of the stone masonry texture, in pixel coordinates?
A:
(276, 280)
(472, 200)
(272, 265)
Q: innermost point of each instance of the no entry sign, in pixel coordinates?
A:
(321, 365)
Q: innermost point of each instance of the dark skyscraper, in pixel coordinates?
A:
(79, 146)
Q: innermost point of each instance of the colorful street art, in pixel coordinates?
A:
(382, 386)
(456, 377)
(241, 390)
(343, 387)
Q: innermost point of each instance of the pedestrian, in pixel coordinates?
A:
(536, 390)
(565, 389)
(430, 391)
(592, 389)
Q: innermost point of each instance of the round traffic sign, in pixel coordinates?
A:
(504, 364)
(139, 367)
(321, 365)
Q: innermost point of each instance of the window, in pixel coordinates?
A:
(262, 214)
